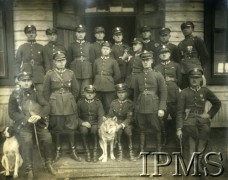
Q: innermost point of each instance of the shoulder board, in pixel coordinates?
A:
(156, 45)
(81, 99)
(49, 71)
(129, 101)
(96, 99)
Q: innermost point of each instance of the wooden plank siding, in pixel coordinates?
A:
(178, 11)
(36, 12)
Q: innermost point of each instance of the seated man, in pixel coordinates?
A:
(122, 108)
(29, 111)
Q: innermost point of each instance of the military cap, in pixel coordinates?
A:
(137, 40)
(121, 87)
(51, 31)
(106, 43)
(163, 49)
(117, 30)
(195, 72)
(99, 29)
(164, 31)
(145, 28)
(59, 55)
(146, 55)
(187, 24)
(24, 75)
(80, 28)
(29, 28)
(90, 89)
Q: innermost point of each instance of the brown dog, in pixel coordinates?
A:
(11, 159)
(107, 133)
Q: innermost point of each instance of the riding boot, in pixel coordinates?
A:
(58, 153)
(85, 143)
(49, 167)
(201, 164)
(29, 172)
(142, 144)
(159, 146)
(131, 154)
(164, 139)
(95, 149)
(120, 152)
(74, 154)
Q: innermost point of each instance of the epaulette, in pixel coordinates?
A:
(49, 71)
(96, 99)
(156, 45)
(81, 99)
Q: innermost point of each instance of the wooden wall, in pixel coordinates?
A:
(36, 12)
(179, 11)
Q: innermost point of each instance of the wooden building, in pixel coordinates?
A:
(209, 17)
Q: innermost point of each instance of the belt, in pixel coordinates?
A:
(146, 92)
(90, 118)
(81, 58)
(32, 62)
(62, 91)
(104, 74)
(167, 78)
(196, 111)
(121, 118)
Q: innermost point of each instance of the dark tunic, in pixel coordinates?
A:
(29, 58)
(95, 51)
(50, 49)
(106, 74)
(150, 92)
(79, 59)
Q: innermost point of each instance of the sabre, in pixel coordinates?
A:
(181, 148)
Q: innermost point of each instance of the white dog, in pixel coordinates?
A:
(11, 159)
(107, 133)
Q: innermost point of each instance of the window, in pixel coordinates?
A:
(216, 36)
(6, 43)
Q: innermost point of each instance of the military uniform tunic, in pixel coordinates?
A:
(91, 111)
(29, 59)
(79, 59)
(95, 51)
(21, 106)
(192, 47)
(117, 52)
(106, 74)
(150, 92)
(172, 75)
(49, 50)
(196, 130)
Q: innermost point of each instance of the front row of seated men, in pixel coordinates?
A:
(29, 109)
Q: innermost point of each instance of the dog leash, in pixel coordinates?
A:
(37, 143)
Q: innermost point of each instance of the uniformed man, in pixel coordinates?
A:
(29, 58)
(134, 66)
(164, 35)
(52, 46)
(91, 112)
(95, 51)
(150, 100)
(106, 75)
(172, 75)
(79, 58)
(120, 51)
(29, 111)
(193, 51)
(149, 44)
(61, 90)
(193, 122)
(122, 108)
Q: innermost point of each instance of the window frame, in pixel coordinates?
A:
(7, 7)
(209, 29)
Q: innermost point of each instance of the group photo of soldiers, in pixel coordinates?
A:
(148, 85)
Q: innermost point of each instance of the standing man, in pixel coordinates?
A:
(164, 35)
(29, 111)
(193, 51)
(95, 51)
(52, 46)
(120, 51)
(150, 100)
(79, 58)
(122, 108)
(172, 75)
(149, 44)
(91, 112)
(106, 75)
(29, 58)
(193, 122)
